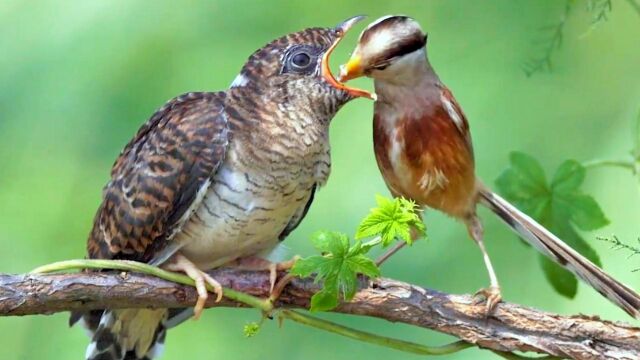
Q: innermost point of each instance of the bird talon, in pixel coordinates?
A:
(491, 295)
(201, 279)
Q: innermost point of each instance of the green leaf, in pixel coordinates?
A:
(585, 212)
(524, 178)
(307, 266)
(524, 184)
(325, 299)
(363, 265)
(338, 268)
(564, 282)
(391, 219)
(560, 207)
(568, 177)
(330, 241)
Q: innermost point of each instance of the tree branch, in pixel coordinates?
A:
(511, 328)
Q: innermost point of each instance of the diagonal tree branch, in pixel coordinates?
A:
(511, 328)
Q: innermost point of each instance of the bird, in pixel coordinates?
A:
(423, 148)
(216, 177)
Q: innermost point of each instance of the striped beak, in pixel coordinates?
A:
(341, 30)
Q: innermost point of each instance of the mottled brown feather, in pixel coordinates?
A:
(156, 178)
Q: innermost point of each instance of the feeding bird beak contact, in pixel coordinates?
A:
(326, 70)
(352, 69)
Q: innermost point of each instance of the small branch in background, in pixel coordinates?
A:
(550, 44)
(624, 164)
(601, 9)
(510, 328)
(616, 244)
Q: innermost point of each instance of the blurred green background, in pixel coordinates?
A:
(77, 79)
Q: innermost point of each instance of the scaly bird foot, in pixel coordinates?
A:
(491, 295)
(257, 264)
(277, 288)
(201, 278)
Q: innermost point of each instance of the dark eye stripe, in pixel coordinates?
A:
(406, 46)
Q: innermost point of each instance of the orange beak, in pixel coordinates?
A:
(326, 70)
(352, 69)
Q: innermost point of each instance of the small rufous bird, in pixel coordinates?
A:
(423, 149)
(214, 177)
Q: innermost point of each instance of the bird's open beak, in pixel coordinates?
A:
(352, 69)
(326, 70)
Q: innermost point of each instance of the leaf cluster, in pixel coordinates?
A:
(560, 205)
(340, 261)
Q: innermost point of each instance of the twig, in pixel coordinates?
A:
(600, 9)
(544, 63)
(511, 328)
(372, 338)
(624, 164)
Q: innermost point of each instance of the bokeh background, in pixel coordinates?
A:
(77, 78)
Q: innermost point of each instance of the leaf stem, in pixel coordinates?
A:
(372, 338)
(374, 242)
(625, 164)
(126, 265)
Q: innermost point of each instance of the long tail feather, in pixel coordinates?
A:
(561, 253)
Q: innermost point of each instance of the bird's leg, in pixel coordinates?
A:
(180, 263)
(257, 264)
(415, 235)
(492, 293)
(279, 286)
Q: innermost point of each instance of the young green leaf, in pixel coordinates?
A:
(251, 329)
(338, 268)
(560, 207)
(391, 219)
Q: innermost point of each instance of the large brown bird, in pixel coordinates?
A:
(423, 149)
(214, 177)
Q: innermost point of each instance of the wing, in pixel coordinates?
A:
(298, 216)
(159, 179)
(457, 116)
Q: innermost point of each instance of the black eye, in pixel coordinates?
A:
(381, 66)
(301, 60)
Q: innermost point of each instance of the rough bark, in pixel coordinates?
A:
(510, 328)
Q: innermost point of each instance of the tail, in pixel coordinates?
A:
(129, 334)
(561, 253)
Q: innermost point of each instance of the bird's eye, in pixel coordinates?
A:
(301, 60)
(381, 66)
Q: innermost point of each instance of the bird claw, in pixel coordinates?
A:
(201, 279)
(491, 295)
(257, 264)
(277, 287)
